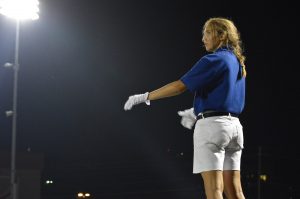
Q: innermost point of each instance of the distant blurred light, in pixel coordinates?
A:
(20, 9)
(49, 182)
(263, 177)
(83, 195)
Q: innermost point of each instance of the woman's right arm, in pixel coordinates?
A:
(169, 90)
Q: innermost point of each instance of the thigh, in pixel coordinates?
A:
(208, 152)
(233, 150)
(232, 160)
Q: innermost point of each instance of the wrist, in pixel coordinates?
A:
(147, 101)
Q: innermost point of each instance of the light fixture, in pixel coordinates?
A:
(18, 10)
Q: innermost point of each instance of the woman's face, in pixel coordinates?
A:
(210, 41)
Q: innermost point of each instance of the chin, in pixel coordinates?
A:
(208, 49)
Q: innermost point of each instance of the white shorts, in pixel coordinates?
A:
(218, 144)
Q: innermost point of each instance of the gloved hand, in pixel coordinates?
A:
(188, 118)
(136, 99)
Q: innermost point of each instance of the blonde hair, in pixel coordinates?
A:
(230, 36)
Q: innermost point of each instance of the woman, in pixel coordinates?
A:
(218, 82)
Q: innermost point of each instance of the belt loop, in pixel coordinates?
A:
(201, 115)
(229, 114)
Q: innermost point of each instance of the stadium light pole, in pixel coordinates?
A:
(18, 10)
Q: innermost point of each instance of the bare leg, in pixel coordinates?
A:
(232, 185)
(213, 184)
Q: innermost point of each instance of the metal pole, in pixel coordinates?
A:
(259, 173)
(14, 120)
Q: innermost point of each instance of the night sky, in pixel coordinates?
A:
(82, 59)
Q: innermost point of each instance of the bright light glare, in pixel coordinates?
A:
(49, 182)
(83, 195)
(20, 9)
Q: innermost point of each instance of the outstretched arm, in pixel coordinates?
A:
(169, 90)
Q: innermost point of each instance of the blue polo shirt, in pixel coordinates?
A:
(216, 79)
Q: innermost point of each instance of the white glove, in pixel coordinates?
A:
(136, 99)
(188, 118)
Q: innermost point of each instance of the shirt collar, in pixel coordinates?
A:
(222, 48)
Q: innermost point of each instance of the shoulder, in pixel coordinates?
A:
(213, 58)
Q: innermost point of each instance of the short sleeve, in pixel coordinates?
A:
(202, 73)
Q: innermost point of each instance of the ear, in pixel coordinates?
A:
(223, 36)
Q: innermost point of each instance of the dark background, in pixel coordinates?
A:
(82, 59)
